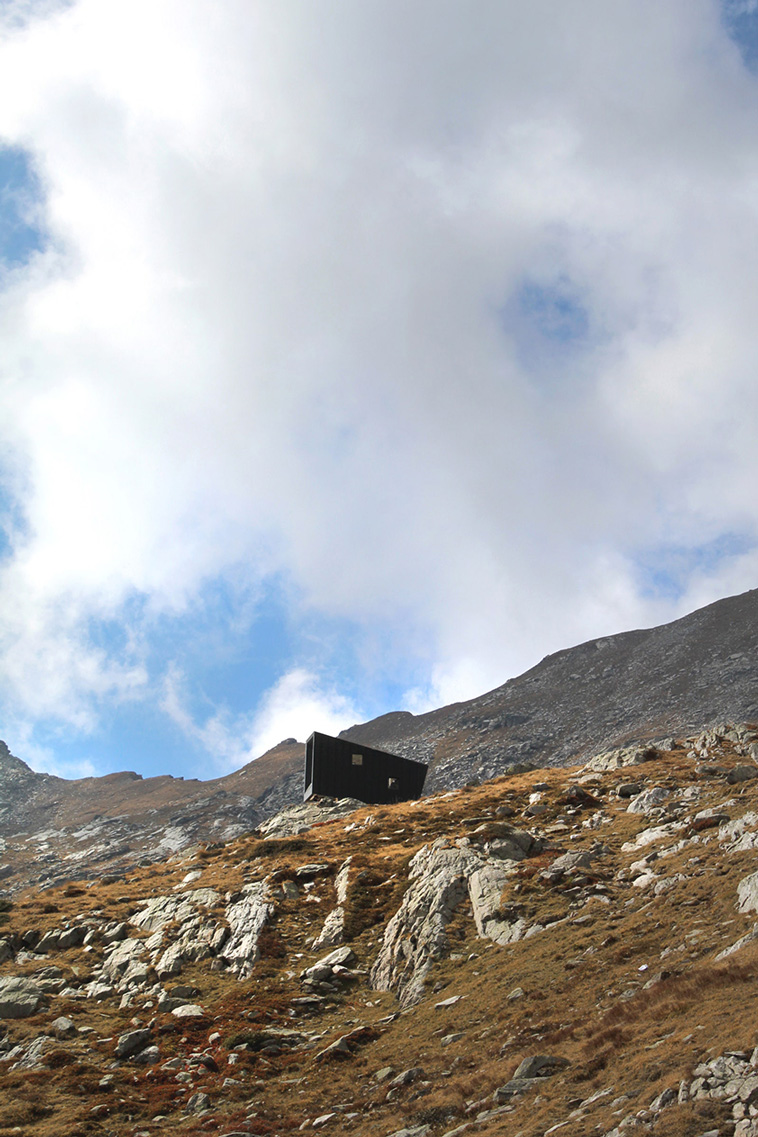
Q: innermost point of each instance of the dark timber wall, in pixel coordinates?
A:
(336, 767)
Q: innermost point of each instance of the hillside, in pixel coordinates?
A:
(675, 679)
(564, 951)
(55, 829)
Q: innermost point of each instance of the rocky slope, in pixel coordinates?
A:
(675, 679)
(52, 829)
(558, 951)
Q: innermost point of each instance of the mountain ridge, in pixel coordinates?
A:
(673, 679)
(609, 691)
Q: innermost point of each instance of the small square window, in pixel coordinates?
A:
(392, 783)
(357, 759)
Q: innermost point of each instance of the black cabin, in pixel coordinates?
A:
(336, 767)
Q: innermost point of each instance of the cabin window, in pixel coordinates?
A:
(392, 783)
(357, 759)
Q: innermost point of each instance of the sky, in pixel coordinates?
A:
(354, 357)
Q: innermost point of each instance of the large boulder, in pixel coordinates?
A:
(747, 893)
(486, 886)
(334, 925)
(623, 756)
(160, 911)
(19, 998)
(299, 818)
(246, 916)
(415, 936)
(132, 1042)
(649, 800)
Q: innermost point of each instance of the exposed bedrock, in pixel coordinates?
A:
(441, 875)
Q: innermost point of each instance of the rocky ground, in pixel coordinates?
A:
(565, 950)
(54, 830)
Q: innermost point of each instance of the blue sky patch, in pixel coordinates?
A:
(740, 18)
(225, 663)
(548, 323)
(664, 573)
(553, 311)
(20, 194)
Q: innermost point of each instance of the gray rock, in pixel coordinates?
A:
(115, 933)
(485, 887)
(33, 1054)
(160, 911)
(440, 876)
(247, 916)
(747, 894)
(63, 1027)
(622, 756)
(575, 861)
(340, 957)
(512, 844)
(183, 991)
(514, 1088)
(6, 951)
(415, 936)
(648, 800)
(148, 1057)
(19, 998)
(338, 1049)
(741, 774)
(332, 930)
(71, 937)
(743, 941)
(188, 1011)
(310, 871)
(120, 957)
(49, 942)
(197, 1103)
(334, 924)
(132, 1042)
(99, 991)
(300, 817)
(540, 1066)
(748, 1091)
(667, 1097)
(166, 1003)
(407, 1076)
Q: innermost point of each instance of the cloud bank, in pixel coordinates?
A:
(441, 311)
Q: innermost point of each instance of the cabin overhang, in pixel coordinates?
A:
(337, 767)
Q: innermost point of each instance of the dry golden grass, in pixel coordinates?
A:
(583, 995)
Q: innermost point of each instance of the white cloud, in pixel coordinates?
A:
(294, 707)
(43, 758)
(269, 333)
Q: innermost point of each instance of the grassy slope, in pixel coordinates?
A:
(584, 995)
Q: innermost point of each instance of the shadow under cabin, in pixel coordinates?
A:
(337, 767)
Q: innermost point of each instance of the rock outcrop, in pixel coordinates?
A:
(440, 876)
